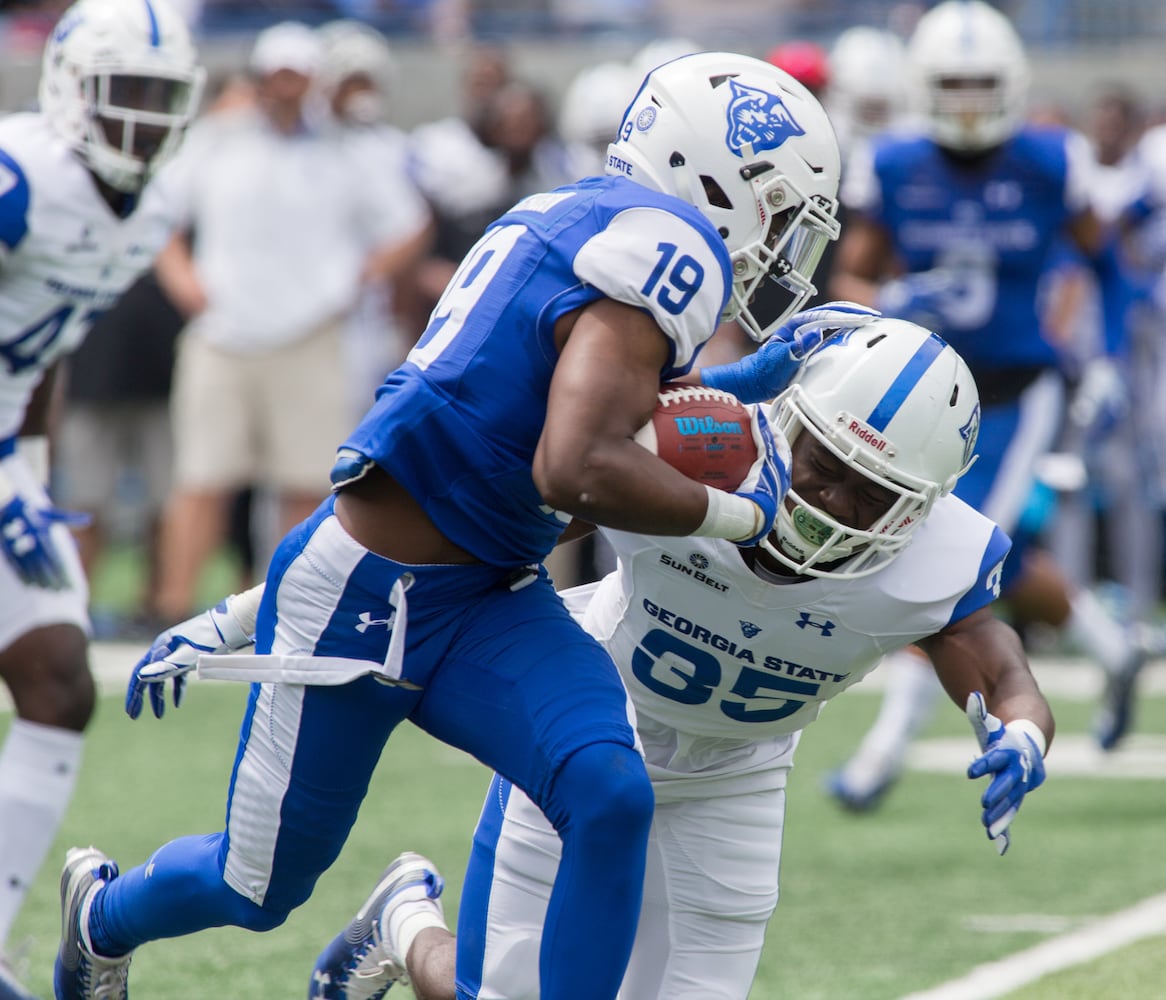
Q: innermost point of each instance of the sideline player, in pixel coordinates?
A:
(951, 225)
(78, 225)
(416, 590)
(728, 654)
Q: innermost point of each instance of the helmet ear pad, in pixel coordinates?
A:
(119, 83)
(753, 150)
(893, 402)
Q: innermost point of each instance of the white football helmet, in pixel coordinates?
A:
(120, 82)
(868, 88)
(894, 402)
(753, 150)
(969, 75)
(593, 105)
(353, 49)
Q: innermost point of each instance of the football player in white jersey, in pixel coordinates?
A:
(728, 654)
(77, 226)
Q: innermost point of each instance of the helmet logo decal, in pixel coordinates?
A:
(758, 119)
(898, 391)
(646, 119)
(969, 432)
(867, 436)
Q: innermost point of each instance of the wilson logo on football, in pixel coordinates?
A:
(688, 426)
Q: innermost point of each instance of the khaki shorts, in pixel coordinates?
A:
(273, 420)
(99, 444)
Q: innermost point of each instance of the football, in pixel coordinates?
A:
(704, 433)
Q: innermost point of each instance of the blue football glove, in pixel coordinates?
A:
(1012, 757)
(918, 297)
(768, 370)
(26, 538)
(175, 652)
(768, 479)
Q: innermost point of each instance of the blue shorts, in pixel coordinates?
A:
(1013, 436)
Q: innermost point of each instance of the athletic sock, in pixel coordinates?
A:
(38, 770)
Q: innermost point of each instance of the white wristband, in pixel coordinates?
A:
(730, 516)
(34, 449)
(244, 608)
(1031, 729)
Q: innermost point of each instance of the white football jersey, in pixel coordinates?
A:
(65, 257)
(719, 660)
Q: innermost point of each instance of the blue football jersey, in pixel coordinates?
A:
(458, 422)
(991, 222)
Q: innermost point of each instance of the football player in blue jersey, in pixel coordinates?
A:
(952, 226)
(78, 225)
(416, 591)
(727, 655)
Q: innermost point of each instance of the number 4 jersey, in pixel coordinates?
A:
(457, 424)
(726, 666)
(65, 257)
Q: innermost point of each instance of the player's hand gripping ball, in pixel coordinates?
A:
(703, 433)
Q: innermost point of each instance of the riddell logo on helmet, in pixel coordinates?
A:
(866, 435)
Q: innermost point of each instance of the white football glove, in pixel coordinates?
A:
(228, 626)
(1013, 755)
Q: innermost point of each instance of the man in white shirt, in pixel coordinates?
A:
(288, 225)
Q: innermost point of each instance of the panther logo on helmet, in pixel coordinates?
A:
(758, 120)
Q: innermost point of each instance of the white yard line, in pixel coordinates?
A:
(1097, 938)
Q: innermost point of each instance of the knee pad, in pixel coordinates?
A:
(602, 792)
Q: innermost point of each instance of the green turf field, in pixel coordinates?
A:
(872, 907)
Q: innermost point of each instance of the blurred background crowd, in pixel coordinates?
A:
(458, 108)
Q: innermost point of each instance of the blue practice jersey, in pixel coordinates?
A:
(458, 422)
(992, 222)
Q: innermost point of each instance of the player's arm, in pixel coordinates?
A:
(603, 390)
(981, 663)
(983, 653)
(862, 260)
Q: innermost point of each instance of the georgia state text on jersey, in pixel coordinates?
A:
(726, 658)
(65, 257)
(991, 226)
(457, 424)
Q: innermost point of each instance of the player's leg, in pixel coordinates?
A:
(534, 697)
(44, 664)
(908, 704)
(399, 935)
(513, 864)
(302, 768)
(710, 889)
